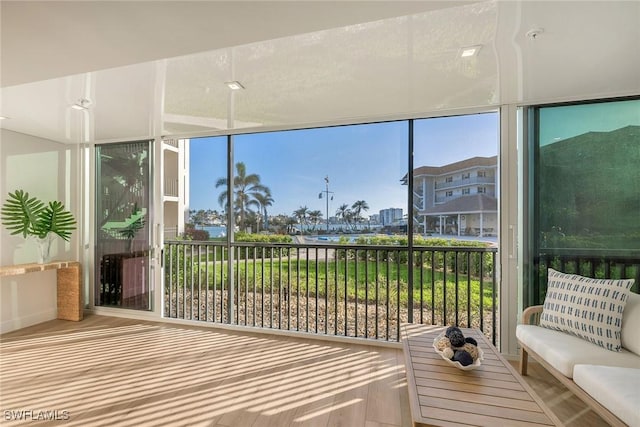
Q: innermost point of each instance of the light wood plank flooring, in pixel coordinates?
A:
(562, 402)
(119, 372)
(108, 371)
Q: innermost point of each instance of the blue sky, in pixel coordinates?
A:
(363, 162)
(561, 122)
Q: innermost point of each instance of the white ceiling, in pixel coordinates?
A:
(158, 68)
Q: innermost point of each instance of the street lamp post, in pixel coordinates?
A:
(326, 195)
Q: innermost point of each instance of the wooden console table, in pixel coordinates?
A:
(69, 284)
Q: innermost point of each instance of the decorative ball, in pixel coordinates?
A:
(471, 340)
(456, 338)
(472, 350)
(443, 343)
(451, 329)
(463, 357)
(448, 353)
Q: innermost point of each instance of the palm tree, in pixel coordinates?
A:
(358, 207)
(290, 222)
(246, 189)
(344, 212)
(315, 217)
(264, 200)
(301, 215)
(197, 218)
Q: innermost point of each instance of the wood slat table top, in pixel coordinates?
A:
(19, 269)
(493, 394)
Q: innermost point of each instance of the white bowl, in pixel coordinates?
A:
(457, 364)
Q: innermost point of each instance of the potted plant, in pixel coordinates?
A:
(30, 216)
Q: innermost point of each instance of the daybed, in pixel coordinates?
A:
(608, 381)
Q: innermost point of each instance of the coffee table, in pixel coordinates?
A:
(493, 394)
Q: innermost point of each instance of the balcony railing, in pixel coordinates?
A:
(171, 187)
(598, 263)
(172, 142)
(343, 290)
(465, 182)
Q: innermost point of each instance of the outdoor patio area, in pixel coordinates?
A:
(125, 372)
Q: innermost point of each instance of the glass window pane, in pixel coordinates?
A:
(456, 177)
(207, 177)
(322, 183)
(587, 189)
(123, 215)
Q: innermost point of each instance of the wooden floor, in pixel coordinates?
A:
(562, 402)
(107, 371)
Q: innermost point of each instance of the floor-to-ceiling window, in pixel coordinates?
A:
(123, 216)
(314, 230)
(584, 192)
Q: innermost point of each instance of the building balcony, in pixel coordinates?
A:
(171, 187)
(466, 182)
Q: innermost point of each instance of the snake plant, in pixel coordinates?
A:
(30, 216)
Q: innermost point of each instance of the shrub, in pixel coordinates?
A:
(192, 233)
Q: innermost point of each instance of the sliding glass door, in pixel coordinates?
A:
(584, 192)
(123, 215)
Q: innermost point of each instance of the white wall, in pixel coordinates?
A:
(47, 170)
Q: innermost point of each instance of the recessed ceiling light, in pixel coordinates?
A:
(470, 51)
(234, 85)
(82, 104)
(3, 117)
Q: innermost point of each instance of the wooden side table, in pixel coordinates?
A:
(69, 284)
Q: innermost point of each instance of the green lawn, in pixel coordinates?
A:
(376, 281)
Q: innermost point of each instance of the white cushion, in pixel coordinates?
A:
(564, 351)
(617, 389)
(588, 308)
(631, 324)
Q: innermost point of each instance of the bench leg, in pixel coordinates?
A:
(524, 358)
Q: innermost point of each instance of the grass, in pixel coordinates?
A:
(352, 281)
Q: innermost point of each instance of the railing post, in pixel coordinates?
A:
(409, 230)
(230, 229)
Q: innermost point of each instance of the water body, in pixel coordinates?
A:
(216, 230)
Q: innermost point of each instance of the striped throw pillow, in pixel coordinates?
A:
(587, 308)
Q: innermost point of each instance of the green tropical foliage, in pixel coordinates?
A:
(30, 216)
(247, 191)
(301, 214)
(358, 207)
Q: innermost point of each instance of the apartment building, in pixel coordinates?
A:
(175, 194)
(459, 198)
(390, 216)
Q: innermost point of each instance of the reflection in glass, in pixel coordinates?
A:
(585, 190)
(122, 225)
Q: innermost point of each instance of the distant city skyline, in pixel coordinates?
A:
(363, 162)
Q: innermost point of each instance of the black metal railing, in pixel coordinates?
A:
(344, 290)
(598, 263)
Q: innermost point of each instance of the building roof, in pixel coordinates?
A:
(453, 167)
(464, 205)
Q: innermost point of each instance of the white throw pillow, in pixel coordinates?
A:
(587, 308)
(631, 324)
